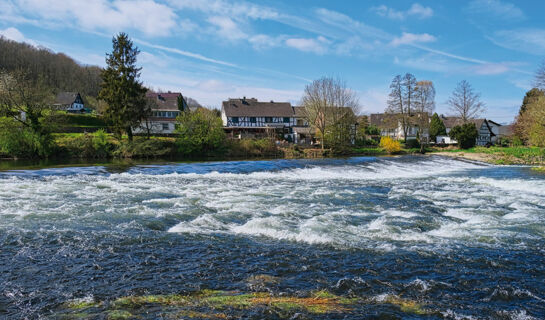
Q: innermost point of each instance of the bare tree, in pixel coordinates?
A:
(330, 107)
(25, 99)
(423, 107)
(540, 77)
(465, 103)
(401, 102)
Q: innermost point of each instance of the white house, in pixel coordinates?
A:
(391, 126)
(70, 101)
(165, 108)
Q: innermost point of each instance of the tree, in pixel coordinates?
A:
(27, 103)
(120, 87)
(531, 123)
(424, 104)
(401, 101)
(464, 102)
(437, 127)
(56, 70)
(200, 132)
(540, 77)
(330, 108)
(520, 122)
(530, 97)
(466, 135)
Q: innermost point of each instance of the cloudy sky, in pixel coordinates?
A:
(215, 49)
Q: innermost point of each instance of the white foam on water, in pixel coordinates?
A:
(330, 204)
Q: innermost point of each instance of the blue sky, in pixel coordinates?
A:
(215, 49)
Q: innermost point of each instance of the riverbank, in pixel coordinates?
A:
(498, 155)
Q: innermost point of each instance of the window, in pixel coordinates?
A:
(286, 120)
(299, 122)
(165, 126)
(268, 119)
(234, 119)
(252, 120)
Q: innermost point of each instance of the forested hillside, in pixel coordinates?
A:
(60, 72)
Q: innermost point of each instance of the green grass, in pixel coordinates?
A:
(80, 120)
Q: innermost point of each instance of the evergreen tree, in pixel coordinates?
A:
(466, 135)
(121, 89)
(437, 127)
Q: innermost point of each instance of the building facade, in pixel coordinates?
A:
(390, 125)
(70, 101)
(250, 118)
(165, 107)
(485, 134)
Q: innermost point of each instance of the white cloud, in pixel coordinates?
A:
(412, 38)
(227, 28)
(235, 10)
(416, 10)
(263, 41)
(491, 68)
(526, 40)
(147, 16)
(14, 34)
(420, 11)
(318, 45)
(496, 8)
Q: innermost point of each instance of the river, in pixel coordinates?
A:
(406, 237)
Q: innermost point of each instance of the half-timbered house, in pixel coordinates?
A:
(252, 118)
(484, 129)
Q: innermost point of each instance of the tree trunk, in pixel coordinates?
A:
(129, 133)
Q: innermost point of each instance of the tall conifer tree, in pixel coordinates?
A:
(121, 88)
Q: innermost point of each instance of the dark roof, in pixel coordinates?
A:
(64, 98)
(253, 108)
(507, 130)
(164, 101)
(451, 122)
(389, 120)
(299, 111)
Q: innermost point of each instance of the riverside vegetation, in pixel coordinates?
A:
(27, 86)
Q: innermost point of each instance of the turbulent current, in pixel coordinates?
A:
(463, 240)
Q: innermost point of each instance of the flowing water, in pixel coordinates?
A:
(463, 240)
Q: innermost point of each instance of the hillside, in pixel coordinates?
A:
(60, 71)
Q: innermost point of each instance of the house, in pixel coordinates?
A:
(495, 128)
(165, 107)
(484, 129)
(70, 101)
(252, 118)
(390, 125)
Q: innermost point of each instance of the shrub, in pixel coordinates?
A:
(412, 144)
(252, 148)
(465, 134)
(101, 143)
(146, 148)
(92, 146)
(200, 132)
(21, 142)
(390, 145)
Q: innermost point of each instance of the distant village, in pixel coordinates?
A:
(250, 118)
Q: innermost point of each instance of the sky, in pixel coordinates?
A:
(212, 50)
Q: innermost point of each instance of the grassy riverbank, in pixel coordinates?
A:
(498, 155)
